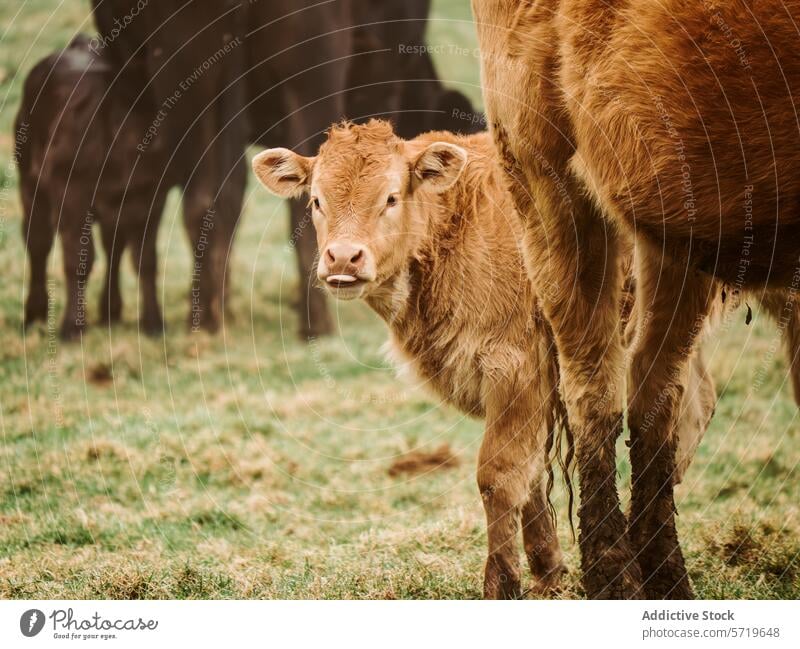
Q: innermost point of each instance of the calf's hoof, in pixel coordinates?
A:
(35, 310)
(549, 582)
(500, 580)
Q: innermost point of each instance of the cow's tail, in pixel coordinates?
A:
(560, 450)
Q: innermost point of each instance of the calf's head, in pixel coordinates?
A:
(370, 194)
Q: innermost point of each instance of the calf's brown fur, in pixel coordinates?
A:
(431, 239)
(641, 116)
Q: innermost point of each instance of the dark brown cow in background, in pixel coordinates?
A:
(221, 75)
(76, 147)
(393, 75)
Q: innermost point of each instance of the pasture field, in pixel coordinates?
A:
(253, 465)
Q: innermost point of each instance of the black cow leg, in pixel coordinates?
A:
(145, 261)
(111, 299)
(39, 233)
(78, 249)
(211, 218)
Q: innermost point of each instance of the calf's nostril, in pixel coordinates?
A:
(329, 257)
(357, 257)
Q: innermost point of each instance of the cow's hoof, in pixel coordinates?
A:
(153, 327)
(315, 319)
(207, 323)
(613, 574)
(110, 313)
(70, 332)
(669, 581)
(500, 580)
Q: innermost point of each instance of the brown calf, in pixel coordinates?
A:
(424, 231)
(646, 117)
(77, 156)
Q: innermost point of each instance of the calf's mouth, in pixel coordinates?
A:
(346, 287)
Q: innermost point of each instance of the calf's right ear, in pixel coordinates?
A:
(283, 172)
(440, 165)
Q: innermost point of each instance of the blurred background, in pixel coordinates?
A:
(257, 463)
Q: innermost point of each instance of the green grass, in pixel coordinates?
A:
(253, 465)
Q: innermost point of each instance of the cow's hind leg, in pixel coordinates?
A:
(672, 304)
(573, 258)
(212, 202)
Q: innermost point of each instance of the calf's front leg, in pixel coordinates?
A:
(511, 451)
(540, 538)
(39, 231)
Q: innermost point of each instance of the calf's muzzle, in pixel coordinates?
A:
(343, 263)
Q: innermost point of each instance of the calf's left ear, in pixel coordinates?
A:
(440, 165)
(283, 172)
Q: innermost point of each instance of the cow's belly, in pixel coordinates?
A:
(688, 140)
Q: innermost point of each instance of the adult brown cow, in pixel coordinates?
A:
(674, 120)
